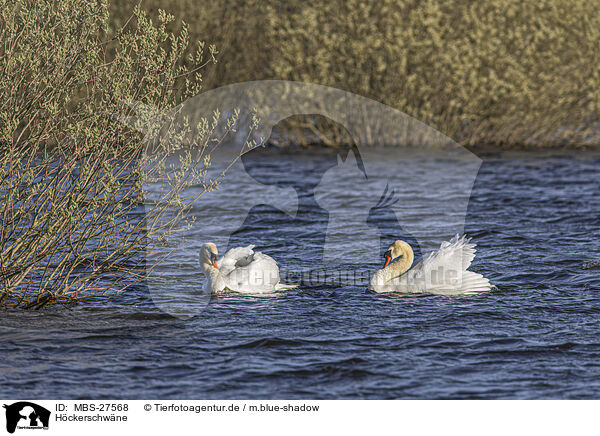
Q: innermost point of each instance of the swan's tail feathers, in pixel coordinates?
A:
(473, 282)
(283, 287)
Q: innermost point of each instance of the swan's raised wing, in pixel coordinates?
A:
(236, 254)
(446, 269)
(455, 255)
(236, 257)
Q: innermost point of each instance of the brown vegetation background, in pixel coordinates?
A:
(502, 72)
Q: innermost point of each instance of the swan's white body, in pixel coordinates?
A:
(241, 269)
(441, 272)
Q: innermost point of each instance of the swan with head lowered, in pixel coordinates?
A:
(241, 269)
(441, 272)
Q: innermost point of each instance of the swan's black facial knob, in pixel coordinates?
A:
(213, 259)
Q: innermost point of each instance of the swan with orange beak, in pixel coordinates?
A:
(241, 269)
(440, 272)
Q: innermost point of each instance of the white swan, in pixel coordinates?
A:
(240, 270)
(441, 272)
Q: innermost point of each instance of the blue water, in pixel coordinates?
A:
(535, 218)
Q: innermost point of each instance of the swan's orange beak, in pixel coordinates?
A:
(213, 259)
(388, 258)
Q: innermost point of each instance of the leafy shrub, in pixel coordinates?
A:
(74, 222)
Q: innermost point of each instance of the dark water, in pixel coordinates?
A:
(536, 221)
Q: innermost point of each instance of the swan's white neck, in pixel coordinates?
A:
(215, 279)
(395, 269)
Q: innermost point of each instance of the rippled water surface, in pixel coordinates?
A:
(535, 218)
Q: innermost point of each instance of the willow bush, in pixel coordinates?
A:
(74, 220)
(502, 71)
